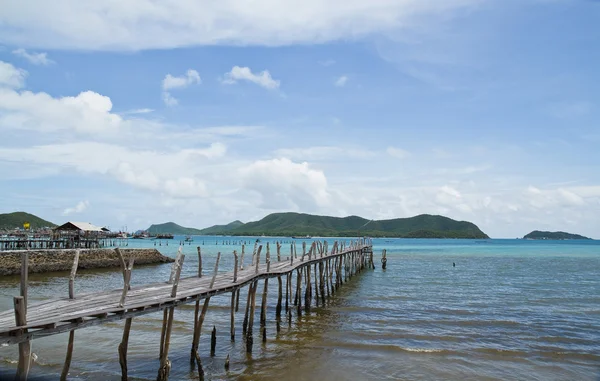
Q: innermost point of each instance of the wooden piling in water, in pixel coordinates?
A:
(249, 333)
(298, 299)
(213, 341)
(72, 275)
(122, 349)
(69, 356)
(24, 278)
(196, 338)
(165, 364)
(278, 307)
(232, 324)
(245, 322)
(199, 262)
(263, 312)
(25, 347)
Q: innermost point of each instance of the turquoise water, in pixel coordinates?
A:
(509, 310)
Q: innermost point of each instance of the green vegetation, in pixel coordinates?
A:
(221, 229)
(536, 234)
(172, 228)
(298, 224)
(15, 220)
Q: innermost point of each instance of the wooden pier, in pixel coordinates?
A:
(319, 273)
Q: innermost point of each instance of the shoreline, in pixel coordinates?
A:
(53, 260)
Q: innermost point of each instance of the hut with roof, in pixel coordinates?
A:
(79, 235)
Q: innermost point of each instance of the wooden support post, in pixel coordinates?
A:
(67, 364)
(257, 259)
(303, 250)
(196, 338)
(123, 349)
(308, 291)
(322, 282)
(163, 332)
(213, 341)
(174, 266)
(24, 277)
(232, 325)
(254, 252)
(199, 262)
(263, 312)
(288, 286)
(212, 281)
(165, 364)
(248, 302)
(242, 258)
(179, 263)
(383, 259)
(72, 275)
(249, 336)
(278, 307)
(25, 347)
(235, 266)
(299, 291)
(278, 252)
(237, 300)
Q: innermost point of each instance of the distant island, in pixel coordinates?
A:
(302, 225)
(537, 234)
(15, 220)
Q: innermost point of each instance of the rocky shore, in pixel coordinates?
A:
(41, 261)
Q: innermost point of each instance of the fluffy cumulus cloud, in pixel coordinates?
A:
(262, 79)
(283, 183)
(32, 57)
(147, 24)
(80, 207)
(171, 82)
(11, 76)
(86, 113)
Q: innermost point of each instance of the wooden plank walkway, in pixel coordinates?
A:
(59, 315)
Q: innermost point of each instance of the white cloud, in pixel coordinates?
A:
(398, 153)
(285, 184)
(341, 81)
(173, 82)
(11, 76)
(146, 24)
(34, 58)
(324, 153)
(138, 111)
(169, 99)
(80, 207)
(263, 78)
(88, 112)
(327, 63)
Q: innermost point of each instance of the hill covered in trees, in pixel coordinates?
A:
(172, 228)
(537, 234)
(300, 224)
(14, 220)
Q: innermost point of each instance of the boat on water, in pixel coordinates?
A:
(188, 238)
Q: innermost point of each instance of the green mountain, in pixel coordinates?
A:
(537, 234)
(298, 224)
(173, 228)
(221, 229)
(16, 220)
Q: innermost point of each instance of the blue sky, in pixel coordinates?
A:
(202, 113)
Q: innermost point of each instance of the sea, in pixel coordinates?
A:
(495, 309)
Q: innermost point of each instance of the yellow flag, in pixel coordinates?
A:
(26, 225)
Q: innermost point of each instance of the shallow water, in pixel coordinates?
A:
(510, 309)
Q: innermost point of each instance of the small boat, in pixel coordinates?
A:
(188, 238)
